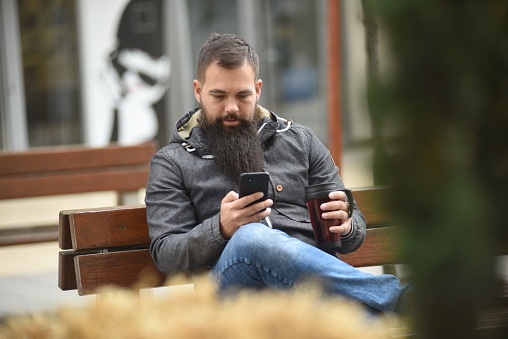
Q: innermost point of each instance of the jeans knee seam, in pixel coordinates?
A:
(258, 267)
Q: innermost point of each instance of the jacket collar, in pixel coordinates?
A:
(189, 133)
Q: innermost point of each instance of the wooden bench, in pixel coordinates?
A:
(69, 170)
(109, 246)
(104, 247)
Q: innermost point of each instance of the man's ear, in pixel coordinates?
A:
(197, 90)
(259, 84)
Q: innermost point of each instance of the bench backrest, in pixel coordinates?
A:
(74, 170)
(109, 246)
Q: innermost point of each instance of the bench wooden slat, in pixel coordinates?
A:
(75, 158)
(98, 212)
(64, 230)
(377, 249)
(370, 201)
(66, 271)
(120, 269)
(106, 228)
(69, 183)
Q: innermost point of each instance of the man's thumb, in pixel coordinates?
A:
(230, 197)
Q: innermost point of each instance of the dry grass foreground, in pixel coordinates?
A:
(200, 313)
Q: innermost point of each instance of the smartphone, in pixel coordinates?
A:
(254, 182)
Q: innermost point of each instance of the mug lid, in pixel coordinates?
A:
(324, 187)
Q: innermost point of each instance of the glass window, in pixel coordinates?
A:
(51, 74)
(298, 56)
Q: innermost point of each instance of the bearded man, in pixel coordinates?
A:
(197, 221)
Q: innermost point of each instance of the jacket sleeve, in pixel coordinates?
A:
(323, 169)
(179, 244)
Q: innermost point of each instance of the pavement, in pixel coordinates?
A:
(29, 273)
(29, 280)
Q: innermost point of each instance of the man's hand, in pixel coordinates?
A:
(337, 209)
(234, 214)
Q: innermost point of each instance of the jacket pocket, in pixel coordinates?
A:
(293, 212)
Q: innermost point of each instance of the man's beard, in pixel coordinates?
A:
(236, 149)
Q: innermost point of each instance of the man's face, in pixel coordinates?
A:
(228, 92)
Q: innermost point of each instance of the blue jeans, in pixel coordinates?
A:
(259, 257)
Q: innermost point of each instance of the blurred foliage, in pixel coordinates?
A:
(447, 95)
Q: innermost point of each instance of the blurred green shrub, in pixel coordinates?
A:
(446, 93)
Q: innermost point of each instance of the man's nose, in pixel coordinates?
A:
(232, 106)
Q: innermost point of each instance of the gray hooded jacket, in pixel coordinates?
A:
(186, 187)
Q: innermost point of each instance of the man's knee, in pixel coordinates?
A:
(252, 237)
(251, 232)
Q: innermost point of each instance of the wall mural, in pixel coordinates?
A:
(126, 98)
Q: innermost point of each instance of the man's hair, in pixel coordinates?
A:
(228, 51)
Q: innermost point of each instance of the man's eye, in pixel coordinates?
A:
(218, 96)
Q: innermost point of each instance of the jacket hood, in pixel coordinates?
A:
(190, 135)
